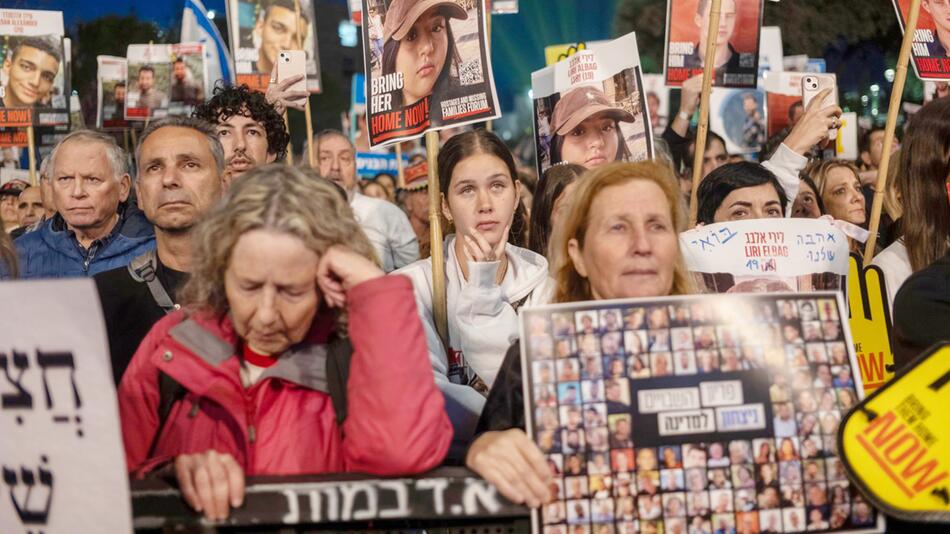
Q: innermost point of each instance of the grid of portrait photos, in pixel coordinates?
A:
(714, 413)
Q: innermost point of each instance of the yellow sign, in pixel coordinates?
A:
(870, 324)
(555, 53)
(896, 443)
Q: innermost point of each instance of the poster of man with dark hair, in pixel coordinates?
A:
(260, 29)
(33, 73)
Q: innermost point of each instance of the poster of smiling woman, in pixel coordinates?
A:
(33, 75)
(427, 67)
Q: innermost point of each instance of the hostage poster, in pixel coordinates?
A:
(34, 78)
(110, 94)
(591, 108)
(766, 255)
(931, 48)
(164, 79)
(260, 29)
(427, 67)
(693, 414)
(737, 42)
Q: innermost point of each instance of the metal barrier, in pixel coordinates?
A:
(449, 499)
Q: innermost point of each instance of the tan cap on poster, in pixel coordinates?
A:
(578, 104)
(402, 14)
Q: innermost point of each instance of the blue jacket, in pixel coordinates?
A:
(53, 252)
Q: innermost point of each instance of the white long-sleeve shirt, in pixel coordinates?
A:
(388, 229)
(786, 164)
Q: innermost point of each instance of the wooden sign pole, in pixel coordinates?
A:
(699, 149)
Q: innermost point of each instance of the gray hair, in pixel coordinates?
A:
(44, 168)
(114, 153)
(201, 126)
(329, 132)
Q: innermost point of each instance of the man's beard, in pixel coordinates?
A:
(245, 160)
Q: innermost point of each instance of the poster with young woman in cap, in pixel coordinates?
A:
(427, 67)
(591, 109)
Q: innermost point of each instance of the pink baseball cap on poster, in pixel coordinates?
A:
(402, 14)
(578, 104)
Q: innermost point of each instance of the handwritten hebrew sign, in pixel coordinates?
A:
(61, 457)
(767, 255)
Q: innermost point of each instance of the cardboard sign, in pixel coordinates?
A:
(32, 41)
(766, 255)
(870, 320)
(783, 96)
(61, 454)
(369, 164)
(260, 29)
(846, 145)
(737, 49)
(710, 411)
(929, 54)
(164, 80)
(896, 443)
(111, 90)
(591, 108)
(407, 98)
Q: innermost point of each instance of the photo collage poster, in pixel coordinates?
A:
(737, 41)
(409, 93)
(34, 78)
(260, 29)
(591, 107)
(714, 413)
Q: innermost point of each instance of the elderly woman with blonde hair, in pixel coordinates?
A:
(259, 373)
(619, 239)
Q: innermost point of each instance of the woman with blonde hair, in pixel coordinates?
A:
(618, 239)
(839, 187)
(259, 373)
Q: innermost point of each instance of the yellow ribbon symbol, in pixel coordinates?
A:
(870, 324)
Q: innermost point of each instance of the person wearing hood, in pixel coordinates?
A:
(95, 229)
(487, 278)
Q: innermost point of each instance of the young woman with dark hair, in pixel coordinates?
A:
(922, 177)
(737, 191)
(486, 278)
(586, 128)
(554, 189)
(418, 43)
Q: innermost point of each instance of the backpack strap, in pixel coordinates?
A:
(143, 269)
(339, 354)
(169, 393)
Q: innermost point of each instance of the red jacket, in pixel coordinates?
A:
(283, 424)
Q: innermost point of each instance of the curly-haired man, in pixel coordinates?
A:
(250, 129)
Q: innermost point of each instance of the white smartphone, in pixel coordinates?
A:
(812, 84)
(292, 63)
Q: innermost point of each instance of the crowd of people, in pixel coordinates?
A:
(270, 319)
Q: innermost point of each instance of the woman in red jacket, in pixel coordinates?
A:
(278, 269)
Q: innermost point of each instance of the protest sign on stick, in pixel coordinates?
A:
(163, 80)
(260, 29)
(34, 80)
(596, 94)
(703, 128)
(704, 410)
(61, 453)
(931, 38)
(452, 88)
(893, 110)
(732, 40)
(111, 89)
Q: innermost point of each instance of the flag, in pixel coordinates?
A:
(196, 27)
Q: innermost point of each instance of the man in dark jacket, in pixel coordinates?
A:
(89, 233)
(180, 164)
